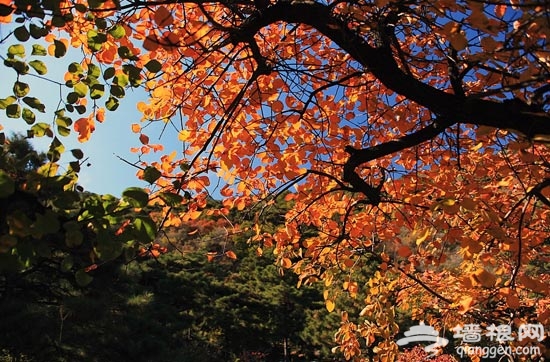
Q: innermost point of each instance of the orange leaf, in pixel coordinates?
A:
(151, 43)
(163, 17)
(485, 278)
(100, 115)
(404, 251)
(136, 128)
(500, 10)
(286, 263)
(231, 255)
(84, 127)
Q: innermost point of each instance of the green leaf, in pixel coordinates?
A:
(97, 91)
(80, 109)
(95, 40)
(151, 174)
(19, 66)
(6, 10)
(121, 80)
(117, 91)
(67, 263)
(38, 32)
(13, 111)
(117, 31)
(72, 98)
(60, 48)
(7, 185)
(28, 115)
(21, 89)
(125, 53)
(21, 33)
(75, 68)
(101, 23)
(81, 8)
(146, 229)
(35, 103)
(39, 50)
(93, 71)
(171, 199)
(136, 196)
(58, 21)
(4, 102)
(109, 73)
(74, 166)
(81, 89)
(154, 66)
(63, 131)
(77, 153)
(41, 129)
(16, 50)
(62, 120)
(107, 248)
(56, 150)
(82, 278)
(39, 66)
(112, 104)
(45, 224)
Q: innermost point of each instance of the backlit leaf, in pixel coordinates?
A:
(16, 50)
(39, 66)
(34, 103)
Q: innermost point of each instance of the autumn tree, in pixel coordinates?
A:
(410, 134)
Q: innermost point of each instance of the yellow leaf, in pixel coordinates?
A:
(330, 305)
(448, 202)
(465, 304)
(478, 146)
(423, 238)
(485, 278)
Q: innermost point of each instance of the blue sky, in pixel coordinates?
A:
(106, 173)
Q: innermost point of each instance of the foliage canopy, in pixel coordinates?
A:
(410, 134)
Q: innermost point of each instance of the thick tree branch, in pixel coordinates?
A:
(381, 63)
(360, 156)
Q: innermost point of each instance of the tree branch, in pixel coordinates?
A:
(381, 63)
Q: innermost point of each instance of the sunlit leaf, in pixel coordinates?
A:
(39, 50)
(39, 66)
(13, 111)
(21, 89)
(28, 115)
(34, 103)
(16, 50)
